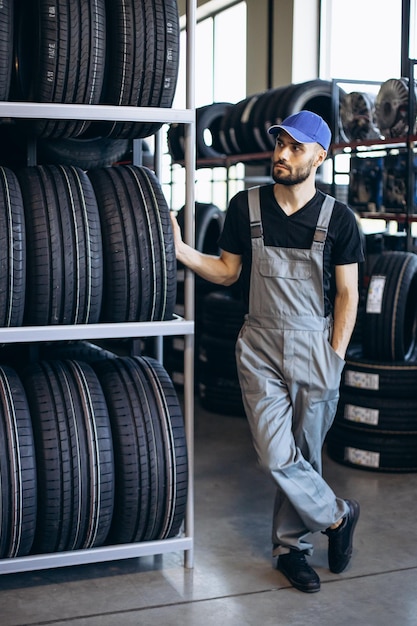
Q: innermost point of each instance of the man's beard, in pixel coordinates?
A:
(293, 178)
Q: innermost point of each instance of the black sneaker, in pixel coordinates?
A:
(341, 539)
(295, 567)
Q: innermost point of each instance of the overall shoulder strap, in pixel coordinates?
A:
(254, 213)
(322, 227)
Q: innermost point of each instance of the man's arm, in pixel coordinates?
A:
(345, 306)
(222, 270)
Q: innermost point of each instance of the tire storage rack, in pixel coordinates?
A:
(375, 427)
(74, 383)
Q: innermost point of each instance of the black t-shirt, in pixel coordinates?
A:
(343, 243)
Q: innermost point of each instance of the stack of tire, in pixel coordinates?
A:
(72, 242)
(219, 387)
(208, 122)
(224, 129)
(376, 422)
(85, 248)
(91, 454)
(110, 52)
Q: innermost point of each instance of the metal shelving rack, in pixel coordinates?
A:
(408, 142)
(178, 326)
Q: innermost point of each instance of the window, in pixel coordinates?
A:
(361, 39)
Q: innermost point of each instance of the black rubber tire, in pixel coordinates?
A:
(217, 355)
(64, 246)
(223, 314)
(175, 141)
(220, 394)
(75, 350)
(12, 250)
(175, 445)
(84, 153)
(390, 319)
(230, 131)
(246, 135)
(74, 455)
(18, 493)
(263, 141)
(313, 95)
(150, 450)
(138, 245)
(378, 378)
(270, 111)
(13, 144)
(397, 415)
(208, 120)
(174, 361)
(6, 47)
(127, 248)
(60, 53)
(17, 355)
(209, 220)
(142, 61)
(379, 452)
(219, 388)
(138, 459)
(227, 130)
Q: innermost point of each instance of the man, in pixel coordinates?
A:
(297, 251)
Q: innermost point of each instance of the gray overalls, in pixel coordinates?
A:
(289, 376)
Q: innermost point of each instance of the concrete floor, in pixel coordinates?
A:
(233, 582)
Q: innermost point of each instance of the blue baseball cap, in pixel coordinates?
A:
(305, 127)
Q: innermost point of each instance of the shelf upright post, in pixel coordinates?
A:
(189, 287)
(335, 130)
(32, 152)
(410, 173)
(159, 340)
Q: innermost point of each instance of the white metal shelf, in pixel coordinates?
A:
(178, 326)
(39, 110)
(93, 555)
(117, 330)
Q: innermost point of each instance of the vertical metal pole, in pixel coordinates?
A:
(158, 154)
(137, 149)
(335, 131)
(159, 341)
(405, 36)
(189, 234)
(410, 174)
(270, 51)
(32, 152)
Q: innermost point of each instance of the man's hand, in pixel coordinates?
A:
(176, 231)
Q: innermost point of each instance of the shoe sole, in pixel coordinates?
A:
(304, 588)
(353, 505)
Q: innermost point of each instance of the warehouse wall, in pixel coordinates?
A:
(295, 37)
